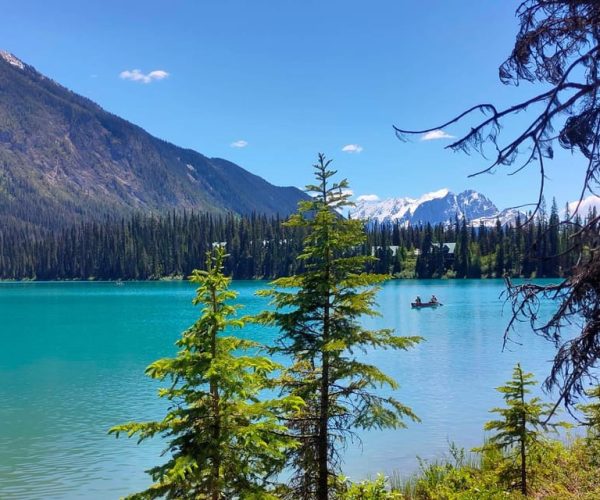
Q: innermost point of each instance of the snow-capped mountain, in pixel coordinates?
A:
(436, 207)
(506, 216)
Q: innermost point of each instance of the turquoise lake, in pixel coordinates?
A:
(72, 361)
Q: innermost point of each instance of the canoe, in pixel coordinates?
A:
(425, 304)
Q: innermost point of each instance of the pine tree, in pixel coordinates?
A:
(424, 260)
(519, 429)
(318, 314)
(225, 438)
(475, 260)
(553, 237)
(462, 262)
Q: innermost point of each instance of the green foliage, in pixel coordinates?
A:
(318, 312)
(224, 435)
(556, 469)
(559, 471)
(519, 428)
(458, 476)
(591, 412)
(449, 274)
(376, 489)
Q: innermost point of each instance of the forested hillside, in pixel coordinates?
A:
(64, 159)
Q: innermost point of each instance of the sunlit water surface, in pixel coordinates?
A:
(72, 359)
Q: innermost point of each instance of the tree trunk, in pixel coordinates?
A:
(523, 436)
(323, 444)
(322, 486)
(214, 392)
(523, 469)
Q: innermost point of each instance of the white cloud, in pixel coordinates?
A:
(436, 134)
(352, 148)
(348, 192)
(135, 75)
(368, 197)
(239, 144)
(587, 203)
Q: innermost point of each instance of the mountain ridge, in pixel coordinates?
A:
(63, 158)
(437, 207)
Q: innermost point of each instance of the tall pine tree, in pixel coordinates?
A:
(224, 436)
(318, 313)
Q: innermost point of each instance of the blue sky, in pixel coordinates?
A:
(287, 79)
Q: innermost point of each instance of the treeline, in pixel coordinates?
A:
(530, 247)
(152, 247)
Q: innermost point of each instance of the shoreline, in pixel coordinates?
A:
(184, 280)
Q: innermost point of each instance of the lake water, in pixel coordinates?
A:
(72, 359)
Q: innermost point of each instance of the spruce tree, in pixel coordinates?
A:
(424, 260)
(461, 252)
(521, 423)
(553, 245)
(223, 435)
(318, 313)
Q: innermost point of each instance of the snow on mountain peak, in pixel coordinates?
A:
(440, 193)
(436, 207)
(506, 216)
(11, 59)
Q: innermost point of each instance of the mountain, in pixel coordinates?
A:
(506, 216)
(437, 207)
(62, 157)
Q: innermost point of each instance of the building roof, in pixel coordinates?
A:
(450, 246)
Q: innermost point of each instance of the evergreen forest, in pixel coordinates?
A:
(146, 247)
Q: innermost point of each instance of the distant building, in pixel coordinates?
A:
(393, 248)
(449, 246)
(448, 249)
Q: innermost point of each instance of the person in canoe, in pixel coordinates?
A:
(433, 302)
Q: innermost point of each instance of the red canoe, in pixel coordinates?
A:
(425, 304)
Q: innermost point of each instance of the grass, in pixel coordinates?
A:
(557, 471)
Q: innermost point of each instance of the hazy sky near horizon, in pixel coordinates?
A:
(269, 84)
